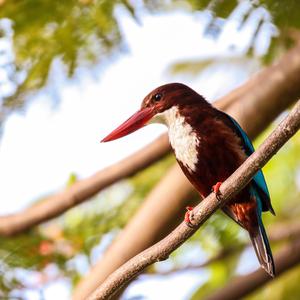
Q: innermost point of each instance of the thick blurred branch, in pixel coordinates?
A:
(83, 189)
(150, 220)
(285, 231)
(278, 84)
(161, 250)
(242, 286)
(265, 106)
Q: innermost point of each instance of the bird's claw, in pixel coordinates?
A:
(189, 216)
(216, 190)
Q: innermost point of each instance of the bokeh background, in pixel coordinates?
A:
(70, 72)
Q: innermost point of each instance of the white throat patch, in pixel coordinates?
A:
(183, 139)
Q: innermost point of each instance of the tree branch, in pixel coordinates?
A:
(238, 288)
(238, 180)
(285, 231)
(266, 105)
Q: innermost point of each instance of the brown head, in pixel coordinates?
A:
(156, 102)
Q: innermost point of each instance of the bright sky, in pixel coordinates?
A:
(40, 148)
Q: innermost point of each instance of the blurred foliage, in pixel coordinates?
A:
(286, 287)
(85, 32)
(76, 32)
(74, 236)
(282, 176)
(268, 20)
(220, 272)
(81, 33)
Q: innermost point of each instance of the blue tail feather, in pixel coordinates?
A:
(260, 240)
(262, 248)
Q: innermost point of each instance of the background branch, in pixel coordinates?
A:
(161, 250)
(238, 288)
(84, 189)
(277, 233)
(219, 256)
(285, 231)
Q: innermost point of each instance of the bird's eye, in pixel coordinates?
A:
(157, 97)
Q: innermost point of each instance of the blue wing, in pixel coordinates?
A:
(258, 181)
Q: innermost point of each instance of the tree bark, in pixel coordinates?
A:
(261, 85)
(229, 188)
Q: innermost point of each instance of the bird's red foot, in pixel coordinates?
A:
(189, 216)
(216, 189)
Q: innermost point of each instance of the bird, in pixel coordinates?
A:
(209, 145)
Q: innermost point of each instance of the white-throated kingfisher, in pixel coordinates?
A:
(209, 146)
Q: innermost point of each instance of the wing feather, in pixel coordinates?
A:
(258, 180)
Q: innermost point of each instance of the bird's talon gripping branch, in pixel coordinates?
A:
(216, 190)
(189, 216)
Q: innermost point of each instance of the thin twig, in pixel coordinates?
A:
(239, 179)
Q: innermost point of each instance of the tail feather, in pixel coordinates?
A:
(262, 248)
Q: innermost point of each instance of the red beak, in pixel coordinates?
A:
(135, 122)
